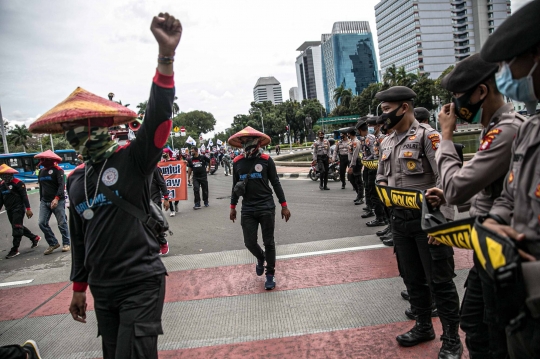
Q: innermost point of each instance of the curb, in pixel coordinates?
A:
(293, 175)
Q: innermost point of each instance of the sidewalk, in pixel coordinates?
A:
(336, 298)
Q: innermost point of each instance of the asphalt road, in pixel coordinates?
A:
(316, 215)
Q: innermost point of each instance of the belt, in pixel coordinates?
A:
(407, 214)
(322, 155)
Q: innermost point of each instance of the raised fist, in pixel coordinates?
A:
(167, 30)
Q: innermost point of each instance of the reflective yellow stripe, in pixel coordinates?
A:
(459, 236)
(495, 253)
(477, 249)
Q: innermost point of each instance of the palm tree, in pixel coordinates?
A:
(342, 96)
(19, 136)
(175, 108)
(142, 107)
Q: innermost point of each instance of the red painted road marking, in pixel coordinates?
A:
(367, 342)
(15, 303)
(236, 280)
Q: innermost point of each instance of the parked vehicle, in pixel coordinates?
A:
(333, 171)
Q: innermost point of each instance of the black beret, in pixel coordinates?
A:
(468, 74)
(396, 94)
(517, 34)
(421, 113)
(372, 120)
(351, 130)
(362, 124)
(343, 130)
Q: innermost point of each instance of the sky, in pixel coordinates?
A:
(48, 48)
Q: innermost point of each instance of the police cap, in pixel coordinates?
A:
(517, 34)
(372, 120)
(362, 124)
(351, 130)
(343, 130)
(468, 74)
(396, 94)
(421, 113)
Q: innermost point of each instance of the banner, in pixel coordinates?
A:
(371, 164)
(400, 197)
(455, 234)
(174, 173)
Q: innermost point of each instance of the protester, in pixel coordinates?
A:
(113, 251)
(408, 161)
(255, 170)
(52, 200)
(227, 163)
(515, 45)
(199, 166)
(14, 197)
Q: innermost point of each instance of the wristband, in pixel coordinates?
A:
(284, 204)
(166, 60)
(233, 206)
(80, 286)
(57, 198)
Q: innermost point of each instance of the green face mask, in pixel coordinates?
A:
(93, 143)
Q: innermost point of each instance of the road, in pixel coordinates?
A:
(316, 215)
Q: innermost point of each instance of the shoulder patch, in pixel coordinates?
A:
(238, 158)
(265, 156)
(16, 180)
(488, 139)
(435, 140)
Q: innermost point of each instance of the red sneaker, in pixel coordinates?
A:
(163, 249)
(35, 242)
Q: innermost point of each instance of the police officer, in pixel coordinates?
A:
(321, 154)
(374, 204)
(341, 152)
(477, 100)
(408, 161)
(515, 45)
(355, 165)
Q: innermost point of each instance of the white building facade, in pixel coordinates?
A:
(309, 72)
(267, 89)
(431, 35)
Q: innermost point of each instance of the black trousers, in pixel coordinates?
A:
(16, 218)
(322, 167)
(372, 198)
(425, 268)
(14, 351)
(250, 221)
(343, 164)
(525, 344)
(199, 183)
(129, 318)
(358, 184)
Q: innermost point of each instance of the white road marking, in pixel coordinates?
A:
(19, 282)
(373, 246)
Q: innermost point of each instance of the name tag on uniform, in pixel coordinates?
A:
(400, 197)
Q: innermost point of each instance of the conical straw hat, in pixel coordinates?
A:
(49, 154)
(79, 105)
(234, 140)
(5, 169)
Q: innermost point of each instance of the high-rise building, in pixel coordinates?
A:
(267, 89)
(349, 59)
(430, 35)
(293, 94)
(309, 71)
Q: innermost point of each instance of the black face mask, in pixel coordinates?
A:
(465, 110)
(383, 129)
(391, 119)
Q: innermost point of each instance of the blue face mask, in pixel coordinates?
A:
(517, 89)
(371, 130)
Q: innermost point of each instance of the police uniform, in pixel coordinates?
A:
(355, 164)
(321, 154)
(479, 183)
(519, 203)
(408, 161)
(342, 152)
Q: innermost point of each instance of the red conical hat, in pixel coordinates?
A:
(79, 105)
(234, 140)
(49, 154)
(5, 169)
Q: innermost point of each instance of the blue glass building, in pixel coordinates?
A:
(349, 59)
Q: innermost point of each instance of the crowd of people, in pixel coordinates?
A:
(500, 186)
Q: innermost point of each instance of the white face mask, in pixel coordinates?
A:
(517, 89)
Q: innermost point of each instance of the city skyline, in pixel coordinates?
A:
(109, 49)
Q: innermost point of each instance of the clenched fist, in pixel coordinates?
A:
(167, 30)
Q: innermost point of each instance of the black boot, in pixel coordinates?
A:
(421, 332)
(405, 294)
(376, 223)
(383, 232)
(451, 347)
(368, 214)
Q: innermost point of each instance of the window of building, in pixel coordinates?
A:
(490, 7)
(491, 30)
(491, 23)
(490, 15)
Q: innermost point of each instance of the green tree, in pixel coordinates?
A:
(142, 108)
(424, 89)
(19, 136)
(342, 96)
(444, 95)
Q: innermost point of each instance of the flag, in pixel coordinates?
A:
(219, 142)
(210, 143)
(191, 141)
(203, 147)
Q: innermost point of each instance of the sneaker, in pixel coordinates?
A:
(66, 248)
(259, 267)
(51, 249)
(35, 242)
(270, 282)
(31, 348)
(197, 206)
(12, 253)
(172, 214)
(163, 249)
(206, 204)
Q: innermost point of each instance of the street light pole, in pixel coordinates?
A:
(2, 128)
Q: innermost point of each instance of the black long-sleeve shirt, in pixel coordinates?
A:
(115, 248)
(158, 188)
(259, 195)
(13, 195)
(51, 183)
